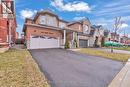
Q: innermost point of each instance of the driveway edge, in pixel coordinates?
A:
(122, 78)
(40, 71)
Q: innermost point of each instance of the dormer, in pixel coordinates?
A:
(76, 26)
(83, 25)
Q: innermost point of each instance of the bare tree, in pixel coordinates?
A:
(116, 28)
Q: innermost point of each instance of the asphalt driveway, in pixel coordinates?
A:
(65, 68)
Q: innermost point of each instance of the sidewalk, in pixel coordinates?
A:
(2, 50)
(123, 77)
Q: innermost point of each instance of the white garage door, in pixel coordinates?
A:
(38, 42)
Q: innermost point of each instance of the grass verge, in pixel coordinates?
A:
(114, 56)
(122, 48)
(18, 69)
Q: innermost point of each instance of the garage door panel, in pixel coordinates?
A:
(48, 43)
(83, 43)
(36, 43)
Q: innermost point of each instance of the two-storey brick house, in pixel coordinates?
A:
(47, 30)
(7, 23)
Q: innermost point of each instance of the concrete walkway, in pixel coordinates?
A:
(18, 46)
(123, 77)
(2, 50)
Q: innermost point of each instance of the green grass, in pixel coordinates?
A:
(18, 69)
(114, 56)
(122, 48)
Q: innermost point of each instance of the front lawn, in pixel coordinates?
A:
(122, 48)
(18, 69)
(114, 56)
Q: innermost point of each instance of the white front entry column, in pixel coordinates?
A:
(64, 36)
(88, 42)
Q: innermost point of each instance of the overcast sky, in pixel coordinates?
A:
(99, 12)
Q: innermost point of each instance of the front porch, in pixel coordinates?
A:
(74, 39)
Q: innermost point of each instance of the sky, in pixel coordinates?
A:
(99, 12)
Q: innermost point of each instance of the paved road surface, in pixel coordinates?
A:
(65, 68)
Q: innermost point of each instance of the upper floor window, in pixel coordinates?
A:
(7, 7)
(42, 20)
(51, 21)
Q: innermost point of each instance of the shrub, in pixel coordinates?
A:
(67, 45)
(75, 43)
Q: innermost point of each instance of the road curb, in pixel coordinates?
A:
(122, 78)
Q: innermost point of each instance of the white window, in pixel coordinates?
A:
(7, 7)
(51, 21)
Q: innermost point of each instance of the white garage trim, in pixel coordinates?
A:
(39, 42)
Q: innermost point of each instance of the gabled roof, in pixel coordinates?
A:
(47, 11)
(44, 12)
(74, 22)
(78, 21)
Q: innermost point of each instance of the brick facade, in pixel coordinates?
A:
(34, 31)
(7, 26)
(33, 27)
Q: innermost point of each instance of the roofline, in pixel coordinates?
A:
(42, 26)
(74, 23)
(63, 20)
(46, 26)
(51, 13)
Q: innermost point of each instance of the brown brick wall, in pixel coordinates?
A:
(69, 36)
(3, 30)
(77, 27)
(42, 31)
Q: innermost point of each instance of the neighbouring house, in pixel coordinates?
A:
(128, 41)
(47, 30)
(107, 35)
(7, 23)
(96, 36)
(125, 40)
(115, 37)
